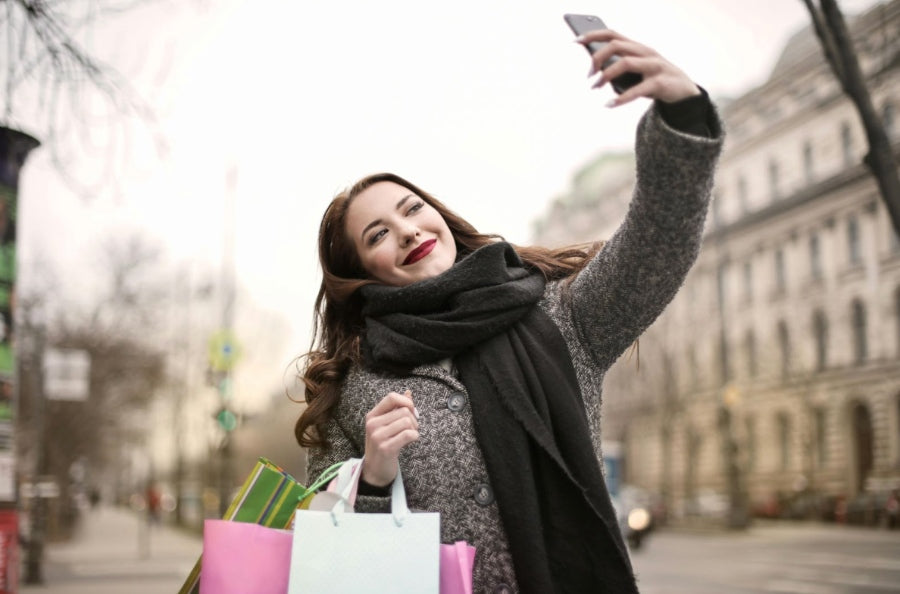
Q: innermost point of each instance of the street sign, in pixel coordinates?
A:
(224, 350)
(67, 374)
(227, 419)
(44, 488)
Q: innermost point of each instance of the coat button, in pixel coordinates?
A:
(484, 495)
(456, 402)
(502, 589)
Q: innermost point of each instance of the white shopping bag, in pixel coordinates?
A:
(335, 552)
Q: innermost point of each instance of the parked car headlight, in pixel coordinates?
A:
(638, 519)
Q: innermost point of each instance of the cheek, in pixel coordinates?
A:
(379, 263)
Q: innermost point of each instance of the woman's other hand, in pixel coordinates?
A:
(390, 425)
(662, 79)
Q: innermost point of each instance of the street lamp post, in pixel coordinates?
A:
(738, 518)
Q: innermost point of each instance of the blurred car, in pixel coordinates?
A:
(634, 513)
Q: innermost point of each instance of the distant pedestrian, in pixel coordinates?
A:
(892, 510)
(154, 500)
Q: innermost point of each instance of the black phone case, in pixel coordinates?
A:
(584, 23)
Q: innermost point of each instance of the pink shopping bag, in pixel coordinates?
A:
(457, 560)
(241, 557)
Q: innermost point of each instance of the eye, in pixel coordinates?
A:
(374, 237)
(415, 207)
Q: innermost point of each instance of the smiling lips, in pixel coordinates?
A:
(420, 252)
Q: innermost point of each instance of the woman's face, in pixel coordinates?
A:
(399, 237)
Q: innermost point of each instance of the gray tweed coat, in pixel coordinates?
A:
(605, 308)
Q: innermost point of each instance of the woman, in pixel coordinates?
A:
(476, 366)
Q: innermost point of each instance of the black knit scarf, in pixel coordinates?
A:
(529, 416)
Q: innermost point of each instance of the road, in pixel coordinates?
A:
(771, 557)
(115, 551)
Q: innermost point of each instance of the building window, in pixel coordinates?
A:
(897, 317)
(847, 143)
(820, 334)
(722, 284)
(808, 162)
(750, 352)
(784, 348)
(815, 257)
(743, 194)
(724, 363)
(748, 281)
(773, 179)
(784, 440)
(820, 435)
(898, 426)
(780, 273)
(692, 366)
(854, 248)
(750, 424)
(860, 344)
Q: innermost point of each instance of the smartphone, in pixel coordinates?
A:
(584, 23)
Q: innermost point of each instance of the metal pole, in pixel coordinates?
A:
(35, 549)
(228, 296)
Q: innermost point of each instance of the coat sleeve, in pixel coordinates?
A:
(341, 448)
(630, 281)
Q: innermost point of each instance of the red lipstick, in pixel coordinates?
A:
(420, 252)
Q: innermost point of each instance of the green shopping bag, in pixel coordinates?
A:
(268, 497)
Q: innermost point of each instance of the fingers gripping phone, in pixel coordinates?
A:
(585, 23)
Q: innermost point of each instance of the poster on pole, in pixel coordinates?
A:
(9, 552)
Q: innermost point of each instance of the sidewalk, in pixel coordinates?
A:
(115, 551)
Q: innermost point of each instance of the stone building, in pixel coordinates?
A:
(774, 376)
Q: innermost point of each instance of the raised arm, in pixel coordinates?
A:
(628, 284)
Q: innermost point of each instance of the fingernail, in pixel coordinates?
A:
(416, 413)
(612, 103)
(593, 70)
(579, 39)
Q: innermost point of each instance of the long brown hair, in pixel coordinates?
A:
(337, 318)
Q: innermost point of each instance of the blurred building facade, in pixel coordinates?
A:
(775, 373)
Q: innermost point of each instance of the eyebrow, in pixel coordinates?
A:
(377, 222)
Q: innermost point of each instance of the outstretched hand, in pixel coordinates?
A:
(662, 79)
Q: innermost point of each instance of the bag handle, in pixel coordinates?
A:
(347, 480)
(326, 476)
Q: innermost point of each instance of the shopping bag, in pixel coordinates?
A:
(268, 497)
(336, 552)
(240, 557)
(457, 561)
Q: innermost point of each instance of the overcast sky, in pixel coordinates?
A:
(485, 104)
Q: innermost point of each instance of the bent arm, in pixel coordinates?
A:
(342, 448)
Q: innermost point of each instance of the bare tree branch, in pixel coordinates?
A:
(43, 53)
(840, 53)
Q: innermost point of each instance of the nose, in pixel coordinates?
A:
(408, 234)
